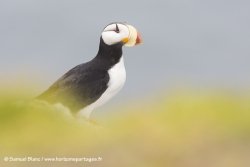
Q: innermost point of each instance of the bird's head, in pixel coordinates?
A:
(121, 33)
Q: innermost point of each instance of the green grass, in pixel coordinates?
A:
(179, 129)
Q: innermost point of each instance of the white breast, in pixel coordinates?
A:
(117, 78)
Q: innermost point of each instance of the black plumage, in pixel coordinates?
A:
(85, 83)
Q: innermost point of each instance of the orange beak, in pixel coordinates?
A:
(134, 37)
(138, 39)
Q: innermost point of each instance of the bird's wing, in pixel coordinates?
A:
(77, 88)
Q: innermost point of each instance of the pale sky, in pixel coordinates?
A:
(197, 43)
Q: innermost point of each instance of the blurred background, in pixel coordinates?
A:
(192, 43)
(185, 101)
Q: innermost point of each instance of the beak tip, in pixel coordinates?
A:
(138, 39)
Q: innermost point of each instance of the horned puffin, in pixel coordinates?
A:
(91, 84)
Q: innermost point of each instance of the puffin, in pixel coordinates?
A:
(91, 84)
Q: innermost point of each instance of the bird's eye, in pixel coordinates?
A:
(117, 28)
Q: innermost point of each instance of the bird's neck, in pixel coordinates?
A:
(110, 54)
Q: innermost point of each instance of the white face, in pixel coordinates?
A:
(117, 32)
